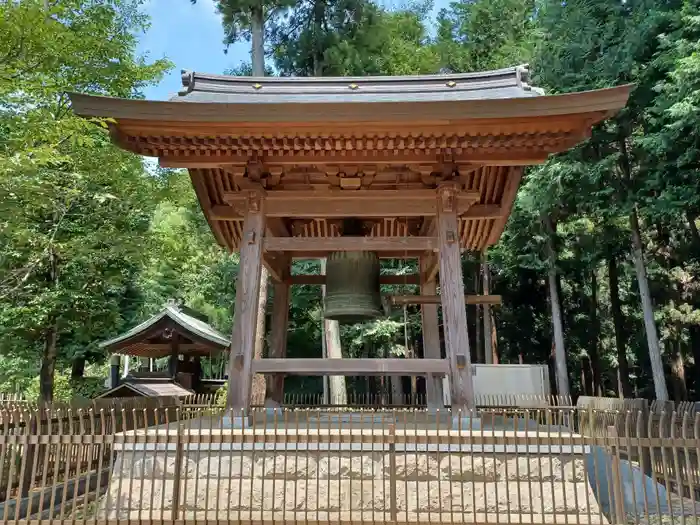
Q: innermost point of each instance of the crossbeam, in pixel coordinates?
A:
(339, 244)
(412, 279)
(436, 299)
(351, 367)
(360, 203)
(226, 212)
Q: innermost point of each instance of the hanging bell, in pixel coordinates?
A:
(352, 287)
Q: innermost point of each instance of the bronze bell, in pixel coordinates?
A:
(352, 287)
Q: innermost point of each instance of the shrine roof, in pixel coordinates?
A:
(148, 388)
(498, 84)
(498, 94)
(175, 317)
(309, 143)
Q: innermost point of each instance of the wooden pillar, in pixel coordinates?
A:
(174, 352)
(431, 335)
(278, 343)
(452, 293)
(114, 371)
(246, 311)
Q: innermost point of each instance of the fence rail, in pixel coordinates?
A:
(194, 463)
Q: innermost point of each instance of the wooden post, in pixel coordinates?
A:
(174, 351)
(246, 311)
(278, 343)
(431, 335)
(452, 292)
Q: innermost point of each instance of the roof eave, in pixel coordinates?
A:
(609, 99)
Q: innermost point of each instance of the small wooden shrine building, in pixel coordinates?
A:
(175, 332)
(429, 165)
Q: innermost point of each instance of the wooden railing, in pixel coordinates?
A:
(192, 462)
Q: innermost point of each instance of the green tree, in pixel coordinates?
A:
(74, 205)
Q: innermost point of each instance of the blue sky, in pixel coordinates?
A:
(191, 37)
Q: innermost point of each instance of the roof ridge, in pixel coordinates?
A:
(515, 76)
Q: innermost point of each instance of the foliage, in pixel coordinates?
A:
(66, 389)
(74, 207)
(91, 242)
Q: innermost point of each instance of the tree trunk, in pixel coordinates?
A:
(259, 386)
(410, 351)
(336, 384)
(77, 370)
(595, 335)
(694, 331)
(319, 13)
(657, 366)
(257, 40)
(680, 390)
(557, 325)
(587, 377)
(624, 389)
(257, 57)
(480, 357)
(48, 358)
(48, 363)
(324, 353)
(488, 332)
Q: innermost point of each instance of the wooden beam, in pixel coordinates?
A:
(430, 267)
(437, 299)
(224, 212)
(386, 254)
(335, 244)
(507, 157)
(275, 266)
(276, 227)
(484, 211)
(351, 367)
(453, 307)
(196, 161)
(341, 204)
(246, 309)
(162, 347)
(427, 229)
(411, 279)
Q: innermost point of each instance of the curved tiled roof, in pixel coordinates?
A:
(502, 83)
(186, 322)
(286, 134)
